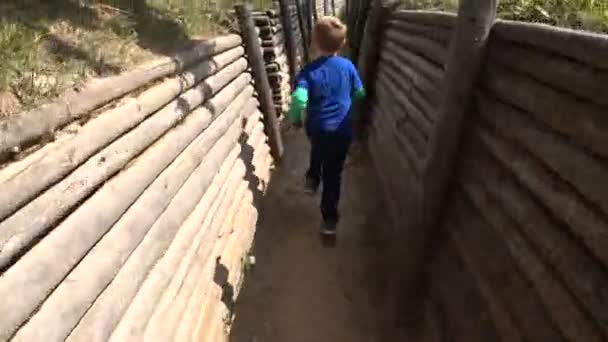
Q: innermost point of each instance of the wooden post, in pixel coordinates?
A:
(466, 56)
(347, 10)
(368, 60)
(262, 86)
(360, 16)
(303, 30)
(290, 44)
(309, 21)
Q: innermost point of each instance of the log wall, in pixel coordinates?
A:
(521, 253)
(136, 224)
(275, 58)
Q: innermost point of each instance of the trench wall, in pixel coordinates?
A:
(127, 208)
(521, 251)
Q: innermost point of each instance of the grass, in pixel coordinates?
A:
(49, 46)
(590, 15)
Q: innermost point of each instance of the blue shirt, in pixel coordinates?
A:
(330, 83)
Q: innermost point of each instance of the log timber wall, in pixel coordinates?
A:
(521, 251)
(135, 220)
(275, 58)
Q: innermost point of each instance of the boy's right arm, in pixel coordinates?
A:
(299, 99)
(299, 102)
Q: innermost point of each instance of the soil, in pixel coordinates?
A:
(303, 288)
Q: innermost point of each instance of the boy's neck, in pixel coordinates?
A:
(326, 54)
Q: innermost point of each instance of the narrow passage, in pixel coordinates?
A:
(301, 289)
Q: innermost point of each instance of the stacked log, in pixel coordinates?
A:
(116, 231)
(525, 230)
(275, 58)
(298, 35)
(408, 88)
(533, 178)
(527, 220)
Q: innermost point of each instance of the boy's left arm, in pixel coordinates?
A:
(358, 89)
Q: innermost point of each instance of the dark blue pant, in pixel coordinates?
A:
(327, 155)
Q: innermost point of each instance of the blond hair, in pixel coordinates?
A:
(329, 34)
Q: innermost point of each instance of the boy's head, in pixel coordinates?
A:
(329, 35)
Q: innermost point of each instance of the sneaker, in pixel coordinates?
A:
(329, 228)
(311, 186)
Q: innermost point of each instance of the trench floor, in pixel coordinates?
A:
(303, 288)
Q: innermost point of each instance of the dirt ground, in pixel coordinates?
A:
(304, 289)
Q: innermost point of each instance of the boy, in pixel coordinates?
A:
(326, 88)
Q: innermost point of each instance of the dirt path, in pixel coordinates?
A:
(300, 289)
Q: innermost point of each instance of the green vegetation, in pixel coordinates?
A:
(49, 46)
(591, 15)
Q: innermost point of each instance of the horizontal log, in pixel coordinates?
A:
(275, 67)
(264, 20)
(584, 275)
(412, 75)
(101, 320)
(553, 70)
(169, 302)
(280, 60)
(585, 47)
(420, 121)
(505, 325)
(243, 229)
(407, 152)
(39, 271)
(212, 322)
(216, 312)
(583, 122)
(276, 77)
(171, 311)
(270, 58)
(467, 314)
(275, 39)
(433, 72)
(276, 42)
(135, 322)
(273, 52)
(51, 165)
(559, 303)
(185, 179)
(433, 18)
(392, 196)
(185, 330)
(35, 219)
(489, 254)
(220, 316)
(271, 13)
(413, 95)
(433, 322)
(407, 132)
(406, 135)
(427, 48)
(580, 169)
(19, 130)
(269, 30)
(195, 301)
(440, 34)
(211, 210)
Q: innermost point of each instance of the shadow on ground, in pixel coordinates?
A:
(302, 289)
